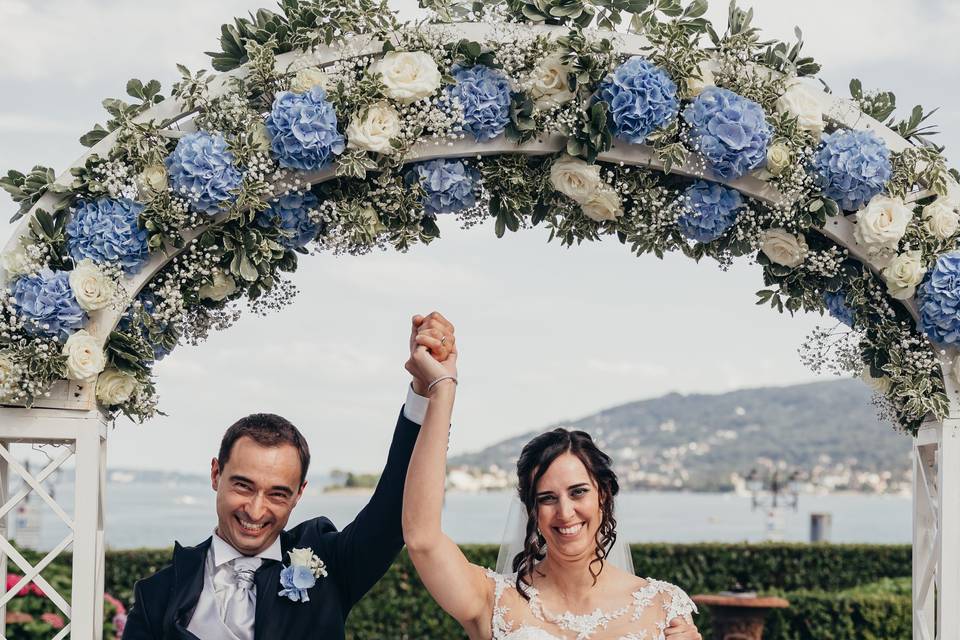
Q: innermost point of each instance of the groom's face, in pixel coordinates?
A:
(257, 489)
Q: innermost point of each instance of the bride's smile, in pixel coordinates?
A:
(568, 507)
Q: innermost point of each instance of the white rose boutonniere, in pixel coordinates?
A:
(903, 274)
(92, 288)
(940, 219)
(575, 178)
(801, 101)
(882, 223)
(301, 574)
(222, 287)
(604, 205)
(783, 247)
(85, 358)
(407, 75)
(115, 387)
(549, 86)
(375, 130)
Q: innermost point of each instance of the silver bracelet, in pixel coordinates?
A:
(439, 380)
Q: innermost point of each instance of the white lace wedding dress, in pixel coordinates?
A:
(644, 617)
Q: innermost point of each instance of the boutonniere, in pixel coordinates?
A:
(301, 574)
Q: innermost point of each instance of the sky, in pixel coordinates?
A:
(546, 333)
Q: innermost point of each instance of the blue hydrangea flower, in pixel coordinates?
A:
(939, 298)
(291, 215)
(710, 210)
(484, 95)
(851, 167)
(295, 580)
(108, 232)
(303, 130)
(201, 169)
(730, 131)
(46, 304)
(448, 185)
(641, 98)
(838, 308)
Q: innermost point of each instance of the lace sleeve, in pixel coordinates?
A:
(677, 603)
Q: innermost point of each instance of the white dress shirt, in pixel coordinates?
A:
(207, 620)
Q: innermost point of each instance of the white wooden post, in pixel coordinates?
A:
(82, 434)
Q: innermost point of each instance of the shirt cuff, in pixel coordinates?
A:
(415, 408)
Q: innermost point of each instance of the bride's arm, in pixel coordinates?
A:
(460, 588)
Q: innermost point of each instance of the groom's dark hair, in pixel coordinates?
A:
(267, 430)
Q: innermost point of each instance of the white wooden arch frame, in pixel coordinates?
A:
(70, 416)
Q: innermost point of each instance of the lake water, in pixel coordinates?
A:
(144, 514)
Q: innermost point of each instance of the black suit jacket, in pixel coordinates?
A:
(355, 559)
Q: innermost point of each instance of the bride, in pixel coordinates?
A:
(563, 587)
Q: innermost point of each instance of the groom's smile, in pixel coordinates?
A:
(257, 488)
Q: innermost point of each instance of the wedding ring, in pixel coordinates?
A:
(442, 340)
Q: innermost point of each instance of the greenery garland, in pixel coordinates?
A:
(230, 194)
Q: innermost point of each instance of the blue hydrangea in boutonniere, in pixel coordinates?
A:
(939, 298)
(291, 215)
(710, 209)
(641, 98)
(484, 95)
(303, 130)
(301, 574)
(730, 131)
(201, 170)
(838, 307)
(851, 167)
(108, 231)
(448, 185)
(47, 305)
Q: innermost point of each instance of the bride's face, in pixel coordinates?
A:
(568, 508)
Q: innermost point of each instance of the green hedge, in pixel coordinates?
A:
(835, 591)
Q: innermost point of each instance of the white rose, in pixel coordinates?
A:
(407, 75)
(696, 86)
(261, 137)
(300, 557)
(115, 387)
(778, 158)
(17, 261)
(882, 223)
(223, 286)
(370, 222)
(783, 247)
(880, 385)
(7, 373)
(85, 358)
(940, 219)
(91, 287)
(549, 87)
(800, 101)
(307, 79)
(379, 126)
(603, 205)
(575, 178)
(153, 178)
(903, 274)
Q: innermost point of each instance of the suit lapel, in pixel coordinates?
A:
(267, 580)
(188, 564)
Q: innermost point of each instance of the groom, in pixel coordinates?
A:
(234, 585)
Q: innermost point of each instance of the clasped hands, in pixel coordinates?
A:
(433, 352)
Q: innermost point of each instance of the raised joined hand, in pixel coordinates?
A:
(433, 351)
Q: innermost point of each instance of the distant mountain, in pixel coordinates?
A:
(827, 430)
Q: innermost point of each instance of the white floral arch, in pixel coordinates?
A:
(69, 412)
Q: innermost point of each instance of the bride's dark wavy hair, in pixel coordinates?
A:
(535, 458)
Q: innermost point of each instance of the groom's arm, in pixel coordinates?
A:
(367, 546)
(137, 626)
